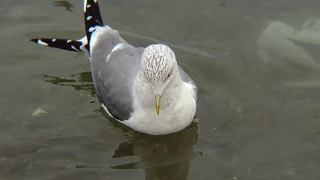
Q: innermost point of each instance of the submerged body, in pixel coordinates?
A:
(143, 88)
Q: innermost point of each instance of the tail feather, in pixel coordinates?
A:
(92, 18)
(66, 44)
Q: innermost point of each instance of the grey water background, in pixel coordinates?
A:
(251, 124)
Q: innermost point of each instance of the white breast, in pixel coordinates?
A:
(169, 120)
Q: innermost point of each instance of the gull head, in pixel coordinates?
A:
(158, 64)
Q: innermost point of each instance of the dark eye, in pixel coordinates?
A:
(168, 75)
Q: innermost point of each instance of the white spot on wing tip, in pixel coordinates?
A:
(42, 43)
(89, 17)
(117, 47)
(74, 48)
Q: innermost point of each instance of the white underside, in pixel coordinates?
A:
(169, 120)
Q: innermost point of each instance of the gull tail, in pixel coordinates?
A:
(92, 19)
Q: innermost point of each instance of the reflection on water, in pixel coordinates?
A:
(81, 81)
(278, 43)
(162, 157)
(64, 3)
(255, 122)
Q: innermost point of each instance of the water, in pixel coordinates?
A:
(256, 122)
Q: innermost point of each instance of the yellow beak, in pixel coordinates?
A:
(158, 103)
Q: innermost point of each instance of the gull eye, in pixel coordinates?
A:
(168, 76)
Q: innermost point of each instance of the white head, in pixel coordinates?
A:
(158, 66)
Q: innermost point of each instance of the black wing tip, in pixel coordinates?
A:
(92, 18)
(41, 41)
(92, 15)
(65, 44)
(34, 40)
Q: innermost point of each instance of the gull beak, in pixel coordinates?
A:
(158, 103)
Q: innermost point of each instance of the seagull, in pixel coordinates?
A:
(142, 88)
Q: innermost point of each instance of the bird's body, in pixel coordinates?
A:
(130, 81)
(135, 105)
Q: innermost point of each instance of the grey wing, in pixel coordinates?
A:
(186, 78)
(115, 81)
(114, 66)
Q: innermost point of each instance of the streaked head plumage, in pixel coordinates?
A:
(157, 62)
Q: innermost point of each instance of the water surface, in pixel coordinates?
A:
(256, 122)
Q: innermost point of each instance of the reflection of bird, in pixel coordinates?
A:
(64, 3)
(162, 157)
(275, 44)
(134, 84)
(82, 81)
